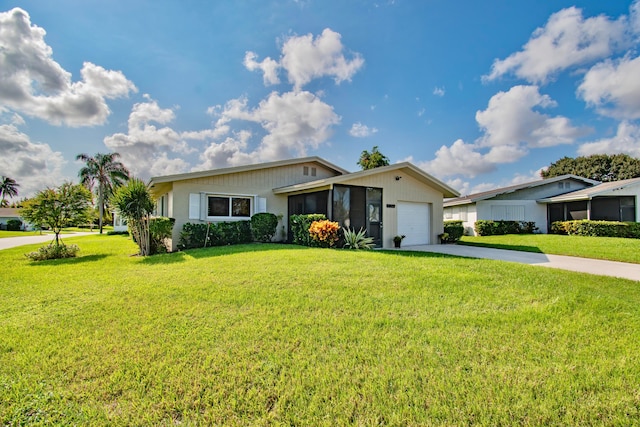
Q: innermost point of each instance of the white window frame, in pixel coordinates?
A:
(230, 197)
(199, 206)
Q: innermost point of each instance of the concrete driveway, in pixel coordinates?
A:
(12, 242)
(583, 265)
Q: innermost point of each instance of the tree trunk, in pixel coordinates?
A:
(101, 207)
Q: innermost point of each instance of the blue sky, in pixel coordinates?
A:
(478, 94)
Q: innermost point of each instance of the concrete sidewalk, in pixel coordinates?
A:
(583, 265)
(12, 242)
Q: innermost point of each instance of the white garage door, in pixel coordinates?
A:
(413, 222)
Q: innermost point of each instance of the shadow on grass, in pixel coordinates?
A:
(70, 261)
(419, 254)
(520, 248)
(215, 251)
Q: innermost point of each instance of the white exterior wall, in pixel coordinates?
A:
(465, 213)
(533, 211)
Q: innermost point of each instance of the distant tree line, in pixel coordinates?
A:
(600, 167)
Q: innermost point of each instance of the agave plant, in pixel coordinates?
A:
(357, 240)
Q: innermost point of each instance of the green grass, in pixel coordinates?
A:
(278, 334)
(607, 248)
(5, 233)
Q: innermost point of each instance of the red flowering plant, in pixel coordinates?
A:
(324, 233)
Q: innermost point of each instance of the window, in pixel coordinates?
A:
(305, 170)
(313, 171)
(507, 213)
(222, 206)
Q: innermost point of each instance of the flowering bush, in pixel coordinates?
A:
(325, 232)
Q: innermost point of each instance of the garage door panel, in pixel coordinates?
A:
(413, 222)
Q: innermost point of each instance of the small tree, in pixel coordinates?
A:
(372, 160)
(135, 203)
(59, 207)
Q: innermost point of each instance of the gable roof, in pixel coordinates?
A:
(246, 168)
(406, 167)
(591, 192)
(472, 198)
(9, 213)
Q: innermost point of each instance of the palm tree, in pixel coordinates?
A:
(8, 187)
(102, 173)
(134, 201)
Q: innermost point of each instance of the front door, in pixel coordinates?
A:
(374, 215)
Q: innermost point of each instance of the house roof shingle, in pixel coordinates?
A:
(472, 198)
(591, 192)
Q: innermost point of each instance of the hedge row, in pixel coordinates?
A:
(498, 228)
(597, 228)
(453, 231)
(215, 234)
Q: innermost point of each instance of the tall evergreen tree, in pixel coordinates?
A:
(102, 173)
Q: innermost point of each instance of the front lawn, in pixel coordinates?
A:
(280, 334)
(609, 248)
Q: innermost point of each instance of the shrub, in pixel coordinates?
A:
(453, 231)
(324, 233)
(53, 251)
(498, 228)
(597, 228)
(214, 234)
(117, 233)
(14, 225)
(299, 226)
(263, 226)
(160, 230)
(357, 240)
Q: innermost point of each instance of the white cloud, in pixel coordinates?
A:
(144, 147)
(567, 40)
(230, 152)
(305, 59)
(34, 166)
(626, 141)
(613, 87)
(34, 84)
(511, 128)
(458, 159)
(359, 130)
(268, 66)
(511, 121)
(294, 122)
(439, 91)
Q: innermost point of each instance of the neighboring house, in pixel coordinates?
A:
(7, 214)
(608, 201)
(119, 222)
(522, 202)
(386, 201)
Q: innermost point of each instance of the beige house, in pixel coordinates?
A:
(400, 199)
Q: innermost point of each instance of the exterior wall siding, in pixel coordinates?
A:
(258, 183)
(406, 189)
(533, 211)
(544, 191)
